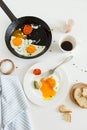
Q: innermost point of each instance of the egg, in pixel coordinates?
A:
(16, 42)
(49, 86)
(18, 45)
(31, 49)
(25, 47)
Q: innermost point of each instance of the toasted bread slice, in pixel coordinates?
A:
(78, 94)
(80, 99)
(72, 94)
(67, 117)
(84, 93)
(63, 109)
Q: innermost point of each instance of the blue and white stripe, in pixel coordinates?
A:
(14, 105)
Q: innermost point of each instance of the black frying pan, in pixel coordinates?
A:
(43, 32)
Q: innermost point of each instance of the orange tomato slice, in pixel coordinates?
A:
(27, 29)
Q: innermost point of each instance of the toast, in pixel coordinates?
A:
(78, 94)
(67, 117)
(66, 112)
(63, 109)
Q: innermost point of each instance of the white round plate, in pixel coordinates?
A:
(35, 95)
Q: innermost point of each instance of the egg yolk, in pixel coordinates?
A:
(51, 82)
(17, 41)
(31, 49)
(47, 86)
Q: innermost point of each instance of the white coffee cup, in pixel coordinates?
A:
(67, 43)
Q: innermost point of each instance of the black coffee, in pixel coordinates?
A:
(66, 45)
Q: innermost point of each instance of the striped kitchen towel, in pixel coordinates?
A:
(14, 105)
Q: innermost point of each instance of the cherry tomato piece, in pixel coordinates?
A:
(37, 71)
(27, 29)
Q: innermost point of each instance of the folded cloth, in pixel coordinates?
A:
(14, 105)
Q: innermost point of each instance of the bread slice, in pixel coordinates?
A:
(78, 94)
(80, 99)
(63, 109)
(72, 90)
(72, 94)
(67, 117)
(66, 112)
(84, 93)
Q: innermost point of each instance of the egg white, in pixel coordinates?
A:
(57, 79)
(22, 48)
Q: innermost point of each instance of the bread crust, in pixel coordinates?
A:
(63, 109)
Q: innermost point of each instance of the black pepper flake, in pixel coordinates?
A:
(16, 67)
(85, 71)
(50, 50)
(54, 41)
(76, 80)
(73, 64)
(81, 69)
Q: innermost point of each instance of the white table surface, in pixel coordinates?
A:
(52, 11)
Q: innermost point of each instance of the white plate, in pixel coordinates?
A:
(35, 95)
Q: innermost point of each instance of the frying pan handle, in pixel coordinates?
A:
(8, 11)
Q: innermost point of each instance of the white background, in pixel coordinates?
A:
(52, 12)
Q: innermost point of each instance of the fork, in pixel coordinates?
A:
(51, 71)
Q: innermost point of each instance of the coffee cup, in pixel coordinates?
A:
(67, 43)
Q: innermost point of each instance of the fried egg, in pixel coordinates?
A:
(50, 86)
(16, 42)
(18, 45)
(25, 47)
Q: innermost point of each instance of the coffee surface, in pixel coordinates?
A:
(66, 45)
